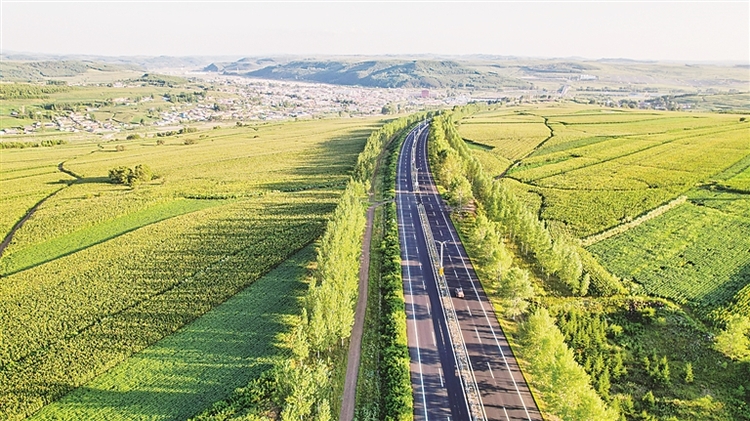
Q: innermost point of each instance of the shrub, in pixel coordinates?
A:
(120, 175)
(129, 176)
(133, 136)
(22, 145)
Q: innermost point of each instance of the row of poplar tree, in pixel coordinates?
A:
(328, 315)
(501, 216)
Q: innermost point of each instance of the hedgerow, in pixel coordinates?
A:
(397, 399)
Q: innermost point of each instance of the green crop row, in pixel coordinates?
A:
(203, 361)
(692, 254)
(599, 169)
(512, 140)
(70, 243)
(82, 314)
(231, 163)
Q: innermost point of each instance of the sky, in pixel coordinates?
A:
(667, 30)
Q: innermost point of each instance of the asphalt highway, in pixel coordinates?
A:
(438, 391)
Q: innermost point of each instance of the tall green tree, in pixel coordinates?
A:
(515, 290)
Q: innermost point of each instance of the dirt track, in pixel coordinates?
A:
(8, 238)
(355, 342)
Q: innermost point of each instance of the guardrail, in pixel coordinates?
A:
(468, 381)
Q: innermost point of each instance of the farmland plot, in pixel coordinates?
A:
(202, 362)
(103, 271)
(511, 140)
(692, 254)
(619, 164)
(28, 176)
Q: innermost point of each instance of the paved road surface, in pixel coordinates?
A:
(438, 394)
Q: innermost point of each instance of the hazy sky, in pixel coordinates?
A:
(674, 30)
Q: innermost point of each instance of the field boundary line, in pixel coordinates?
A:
(9, 237)
(531, 152)
(534, 182)
(619, 229)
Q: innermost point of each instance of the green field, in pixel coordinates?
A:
(102, 271)
(512, 135)
(657, 349)
(57, 247)
(695, 255)
(201, 363)
(603, 167)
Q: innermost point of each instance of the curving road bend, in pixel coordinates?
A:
(438, 391)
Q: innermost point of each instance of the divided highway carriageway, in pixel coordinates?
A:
(462, 367)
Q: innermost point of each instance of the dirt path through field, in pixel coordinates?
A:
(348, 400)
(536, 148)
(8, 238)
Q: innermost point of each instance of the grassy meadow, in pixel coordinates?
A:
(101, 271)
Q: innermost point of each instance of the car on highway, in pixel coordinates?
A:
(459, 292)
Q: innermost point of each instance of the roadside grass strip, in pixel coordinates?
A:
(201, 363)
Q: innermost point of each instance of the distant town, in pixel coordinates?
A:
(234, 98)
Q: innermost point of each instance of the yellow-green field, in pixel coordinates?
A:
(605, 167)
(673, 343)
(601, 167)
(101, 271)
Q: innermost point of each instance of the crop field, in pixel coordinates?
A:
(201, 363)
(694, 255)
(602, 168)
(101, 271)
(29, 175)
(513, 139)
(70, 243)
(662, 348)
(619, 163)
(490, 161)
(739, 182)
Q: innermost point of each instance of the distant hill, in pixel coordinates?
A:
(160, 80)
(40, 70)
(388, 74)
(142, 62)
(559, 68)
(241, 66)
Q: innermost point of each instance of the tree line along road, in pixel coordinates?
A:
(439, 392)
